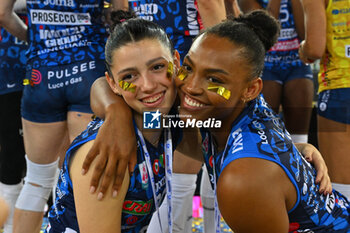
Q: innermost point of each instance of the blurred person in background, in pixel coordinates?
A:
(327, 37)
(66, 54)
(287, 80)
(12, 73)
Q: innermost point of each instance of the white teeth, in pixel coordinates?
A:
(192, 102)
(153, 98)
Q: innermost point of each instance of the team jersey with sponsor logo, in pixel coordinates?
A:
(334, 66)
(12, 61)
(138, 204)
(259, 133)
(180, 19)
(65, 31)
(284, 54)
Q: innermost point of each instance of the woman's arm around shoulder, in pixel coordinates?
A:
(254, 196)
(312, 155)
(115, 144)
(94, 215)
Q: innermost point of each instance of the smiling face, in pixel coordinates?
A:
(215, 61)
(144, 65)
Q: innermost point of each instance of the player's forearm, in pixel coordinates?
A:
(249, 5)
(273, 8)
(104, 101)
(211, 11)
(120, 5)
(315, 36)
(232, 8)
(10, 20)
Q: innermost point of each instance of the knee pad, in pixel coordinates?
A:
(10, 194)
(38, 184)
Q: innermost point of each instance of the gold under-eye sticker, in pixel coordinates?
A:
(182, 74)
(127, 86)
(170, 71)
(220, 90)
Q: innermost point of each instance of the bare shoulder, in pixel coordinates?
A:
(250, 188)
(248, 175)
(93, 215)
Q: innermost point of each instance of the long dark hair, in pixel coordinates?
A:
(256, 32)
(127, 28)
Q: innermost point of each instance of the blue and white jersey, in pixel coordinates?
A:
(259, 133)
(12, 61)
(65, 31)
(284, 54)
(138, 205)
(179, 18)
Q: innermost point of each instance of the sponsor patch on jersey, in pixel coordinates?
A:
(347, 51)
(143, 174)
(287, 33)
(50, 17)
(286, 45)
(66, 3)
(156, 167)
(137, 207)
(330, 202)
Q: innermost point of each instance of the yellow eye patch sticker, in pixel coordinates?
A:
(220, 90)
(127, 86)
(170, 71)
(182, 74)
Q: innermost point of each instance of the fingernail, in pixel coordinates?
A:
(92, 189)
(83, 171)
(100, 196)
(114, 193)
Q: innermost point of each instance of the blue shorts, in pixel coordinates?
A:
(282, 76)
(335, 105)
(56, 90)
